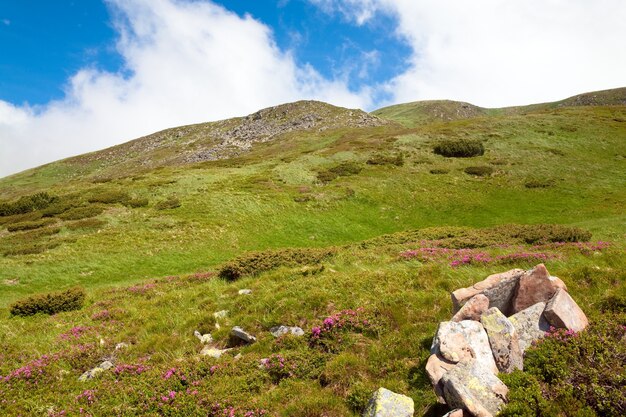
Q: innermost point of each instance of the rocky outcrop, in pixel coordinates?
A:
(94, 372)
(278, 331)
(496, 320)
(385, 403)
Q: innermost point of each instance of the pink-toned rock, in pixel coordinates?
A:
(498, 288)
(473, 309)
(463, 341)
(436, 367)
(536, 286)
(563, 312)
(455, 413)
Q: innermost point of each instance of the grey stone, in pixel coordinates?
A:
(563, 312)
(239, 335)
(245, 292)
(204, 338)
(213, 352)
(498, 288)
(121, 346)
(473, 308)
(462, 341)
(503, 340)
(473, 388)
(92, 373)
(530, 324)
(278, 331)
(385, 403)
(222, 314)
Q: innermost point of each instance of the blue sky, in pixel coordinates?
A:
(81, 75)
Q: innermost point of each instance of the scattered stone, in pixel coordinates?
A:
(536, 286)
(498, 288)
(473, 388)
(222, 314)
(239, 336)
(204, 338)
(530, 325)
(92, 373)
(436, 367)
(563, 312)
(473, 308)
(503, 340)
(121, 346)
(385, 403)
(245, 292)
(278, 331)
(462, 341)
(213, 352)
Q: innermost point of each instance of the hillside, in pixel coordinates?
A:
(386, 229)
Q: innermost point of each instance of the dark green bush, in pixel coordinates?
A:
(169, 203)
(582, 374)
(438, 171)
(538, 183)
(58, 207)
(31, 225)
(91, 223)
(50, 303)
(137, 202)
(479, 171)
(82, 212)
(27, 204)
(109, 197)
(396, 160)
(253, 263)
(614, 304)
(342, 170)
(459, 148)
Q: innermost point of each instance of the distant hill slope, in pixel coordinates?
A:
(420, 112)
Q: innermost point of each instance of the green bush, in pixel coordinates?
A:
(137, 202)
(91, 223)
(169, 203)
(396, 160)
(580, 374)
(479, 171)
(109, 197)
(31, 225)
(256, 262)
(58, 207)
(50, 303)
(26, 204)
(439, 171)
(538, 183)
(459, 148)
(342, 170)
(82, 212)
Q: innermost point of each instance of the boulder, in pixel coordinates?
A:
(436, 367)
(473, 388)
(563, 312)
(503, 340)
(462, 341)
(498, 288)
(239, 336)
(278, 331)
(473, 308)
(536, 286)
(530, 325)
(385, 403)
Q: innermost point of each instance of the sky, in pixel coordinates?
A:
(81, 75)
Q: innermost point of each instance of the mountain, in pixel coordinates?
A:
(323, 213)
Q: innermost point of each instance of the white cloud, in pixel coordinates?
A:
(501, 52)
(186, 62)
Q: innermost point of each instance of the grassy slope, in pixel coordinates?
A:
(250, 203)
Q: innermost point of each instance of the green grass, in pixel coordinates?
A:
(271, 198)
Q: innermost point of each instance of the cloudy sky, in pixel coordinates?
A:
(80, 75)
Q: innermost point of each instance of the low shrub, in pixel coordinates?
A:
(59, 207)
(342, 170)
(168, 204)
(459, 148)
(479, 171)
(109, 197)
(27, 204)
(84, 212)
(25, 249)
(396, 160)
(86, 224)
(538, 183)
(136, 202)
(573, 374)
(50, 303)
(31, 225)
(439, 171)
(256, 262)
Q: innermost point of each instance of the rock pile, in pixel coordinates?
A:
(495, 321)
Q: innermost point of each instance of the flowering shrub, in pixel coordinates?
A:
(220, 410)
(330, 333)
(278, 367)
(141, 288)
(75, 332)
(88, 396)
(129, 369)
(460, 257)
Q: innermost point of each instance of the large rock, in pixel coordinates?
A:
(473, 308)
(563, 312)
(530, 324)
(239, 336)
(278, 331)
(503, 340)
(436, 367)
(535, 286)
(462, 341)
(473, 388)
(385, 403)
(498, 288)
